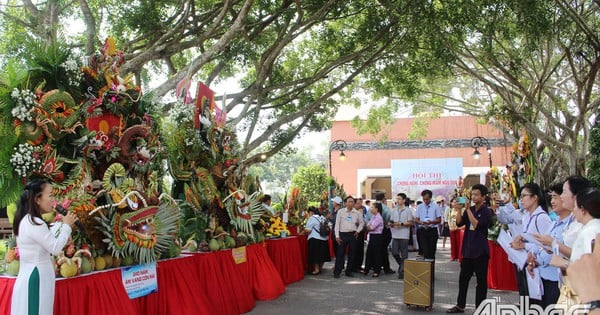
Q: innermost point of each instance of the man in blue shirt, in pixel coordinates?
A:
(428, 217)
(475, 249)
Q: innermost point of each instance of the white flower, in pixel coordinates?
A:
(23, 159)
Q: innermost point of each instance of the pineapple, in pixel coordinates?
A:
(11, 243)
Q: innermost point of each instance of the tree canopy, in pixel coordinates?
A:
(311, 180)
(526, 65)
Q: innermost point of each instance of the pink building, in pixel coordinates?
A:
(366, 168)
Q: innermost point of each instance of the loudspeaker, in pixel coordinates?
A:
(418, 282)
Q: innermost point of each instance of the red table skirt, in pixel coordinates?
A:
(206, 283)
(303, 243)
(501, 273)
(287, 258)
(456, 240)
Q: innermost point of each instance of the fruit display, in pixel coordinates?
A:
(101, 142)
(11, 257)
(91, 132)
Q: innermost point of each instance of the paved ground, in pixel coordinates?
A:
(323, 294)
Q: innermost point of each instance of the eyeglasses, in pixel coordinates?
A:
(526, 195)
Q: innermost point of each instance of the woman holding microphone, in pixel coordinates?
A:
(33, 292)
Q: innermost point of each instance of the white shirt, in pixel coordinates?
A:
(36, 242)
(507, 214)
(570, 233)
(314, 224)
(583, 243)
(404, 215)
(537, 222)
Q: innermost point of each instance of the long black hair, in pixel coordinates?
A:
(27, 203)
(535, 190)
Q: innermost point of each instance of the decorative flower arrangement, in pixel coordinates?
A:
(25, 159)
(87, 131)
(495, 180)
(296, 204)
(183, 115)
(72, 70)
(25, 101)
(276, 227)
(522, 162)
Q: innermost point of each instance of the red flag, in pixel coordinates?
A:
(205, 104)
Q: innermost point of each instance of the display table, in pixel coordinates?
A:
(456, 240)
(287, 258)
(501, 273)
(103, 293)
(203, 283)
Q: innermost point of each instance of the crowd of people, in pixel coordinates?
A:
(553, 228)
(552, 245)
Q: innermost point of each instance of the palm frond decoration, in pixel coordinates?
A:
(46, 62)
(10, 190)
(244, 213)
(165, 222)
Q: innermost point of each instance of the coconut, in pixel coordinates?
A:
(116, 262)
(86, 265)
(127, 261)
(100, 263)
(13, 268)
(109, 260)
(192, 246)
(229, 241)
(214, 245)
(68, 269)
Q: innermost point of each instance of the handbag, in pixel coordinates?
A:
(567, 297)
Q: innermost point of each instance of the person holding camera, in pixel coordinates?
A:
(475, 248)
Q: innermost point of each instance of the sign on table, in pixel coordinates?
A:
(139, 280)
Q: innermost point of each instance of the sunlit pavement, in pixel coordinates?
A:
(324, 294)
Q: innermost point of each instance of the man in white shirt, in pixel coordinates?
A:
(401, 221)
(348, 224)
(428, 217)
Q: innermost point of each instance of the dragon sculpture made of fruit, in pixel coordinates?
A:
(90, 131)
(203, 161)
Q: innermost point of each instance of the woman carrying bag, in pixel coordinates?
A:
(318, 249)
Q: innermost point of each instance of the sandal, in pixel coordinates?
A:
(375, 275)
(314, 273)
(455, 309)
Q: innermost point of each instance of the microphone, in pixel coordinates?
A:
(63, 212)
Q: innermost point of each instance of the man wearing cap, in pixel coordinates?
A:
(348, 224)
(428, 217)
